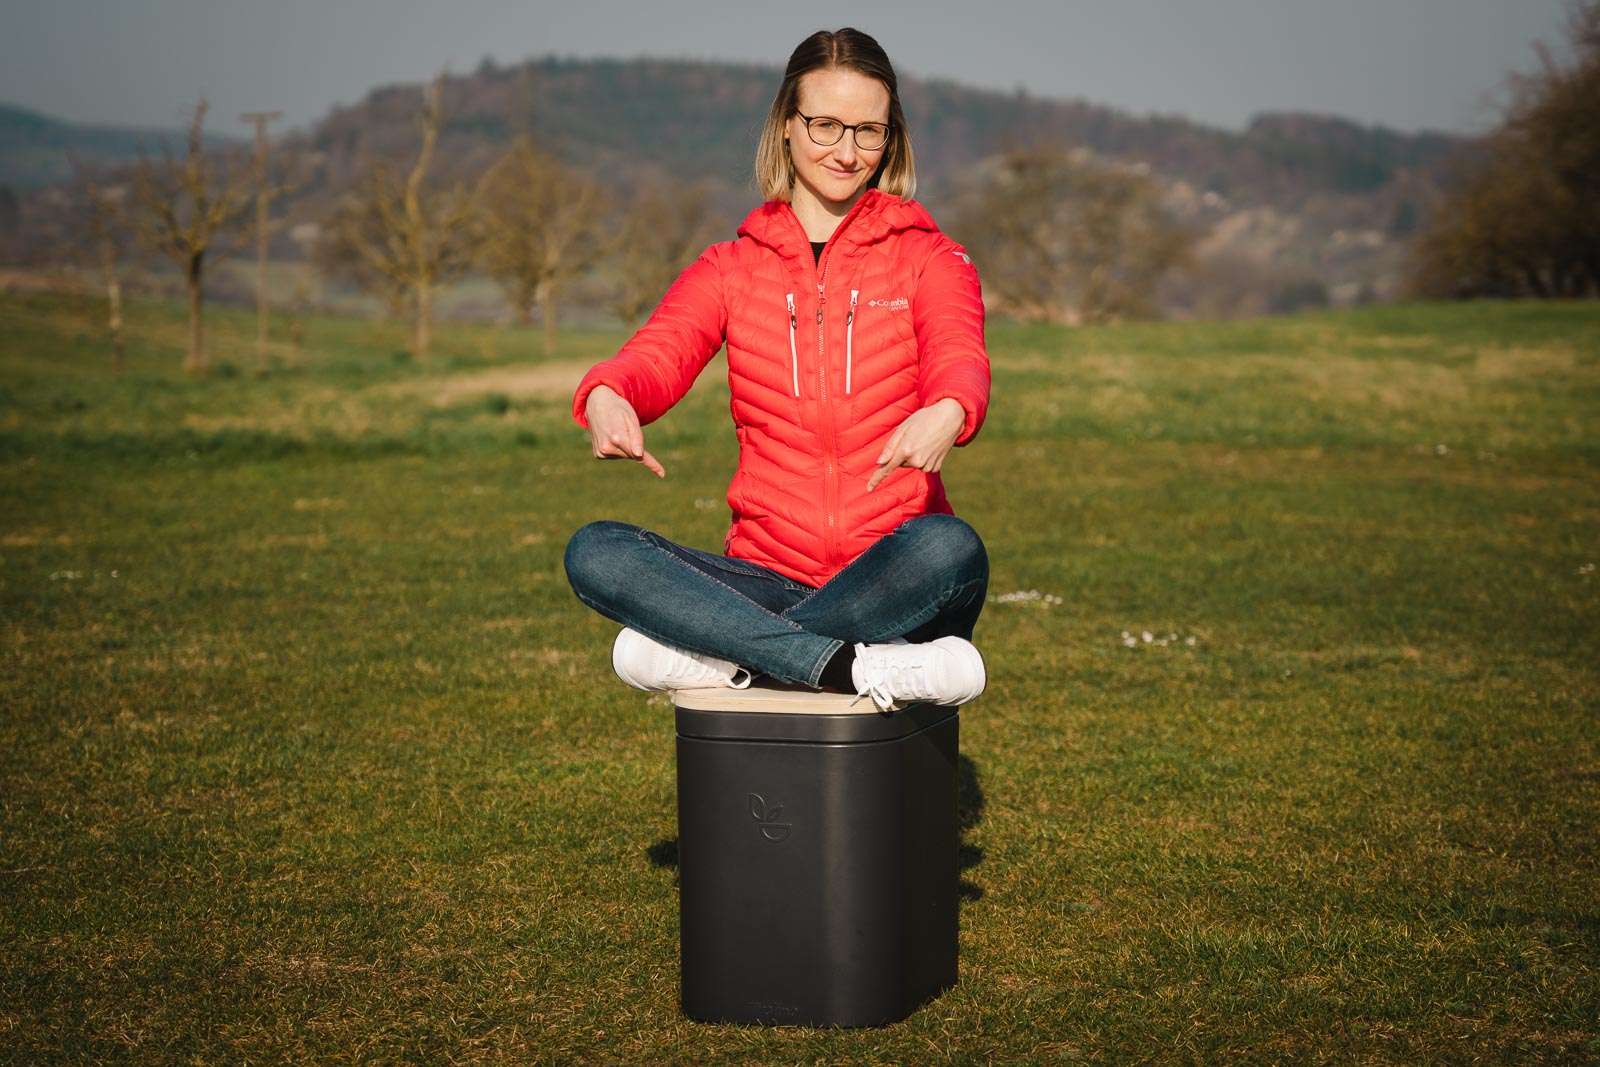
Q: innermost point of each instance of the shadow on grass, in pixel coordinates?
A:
(969, 811)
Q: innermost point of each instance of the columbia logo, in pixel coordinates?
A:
(899, 303)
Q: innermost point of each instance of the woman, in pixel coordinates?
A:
(856, 361)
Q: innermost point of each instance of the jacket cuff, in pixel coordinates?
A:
(580, 399)
(969, 424)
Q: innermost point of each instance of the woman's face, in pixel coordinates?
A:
(836, 173)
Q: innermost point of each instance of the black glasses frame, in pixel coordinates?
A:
(850, 128)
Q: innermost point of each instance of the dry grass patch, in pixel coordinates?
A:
(1503, 364)
(322, 503)
(33, 537)
(542, 381)
(311, 540)
(1349, 381)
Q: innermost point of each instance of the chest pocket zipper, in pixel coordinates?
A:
(794, 358)
(849, 326)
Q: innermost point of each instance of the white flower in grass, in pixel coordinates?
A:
(704, 503)
(1587, 568)
(1027, 596)
(1146, 637)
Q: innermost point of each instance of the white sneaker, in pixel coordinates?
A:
(948, 670)
(647, 664)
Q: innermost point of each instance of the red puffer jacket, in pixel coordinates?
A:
(825, 359)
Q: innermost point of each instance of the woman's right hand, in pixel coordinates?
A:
(614, 430)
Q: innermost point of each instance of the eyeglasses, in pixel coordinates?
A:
(825, 131)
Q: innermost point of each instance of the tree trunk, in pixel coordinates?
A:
(195, 362)
(261, 279)
(1591, 270)
(302, 308)
(547, 311)
(114, 321)
(422, 335)
(1530, 276)
(108, 274)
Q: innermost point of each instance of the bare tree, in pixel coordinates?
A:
(1523, 218)
(103, 218)
(1061, 238)
(307, 236)
(181, 207)
(537, 229)
(662, 232)
(264, 196)
(401, 239)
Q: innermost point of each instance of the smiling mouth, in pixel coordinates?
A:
(841, 173)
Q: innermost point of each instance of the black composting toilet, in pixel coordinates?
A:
(817, 855)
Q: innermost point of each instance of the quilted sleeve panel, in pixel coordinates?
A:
(947, 313)
(659, 363)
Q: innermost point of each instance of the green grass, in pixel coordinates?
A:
(309, 752)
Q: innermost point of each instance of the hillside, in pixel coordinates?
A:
(35, 149)
(1292, 199)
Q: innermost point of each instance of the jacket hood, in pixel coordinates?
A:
(874, 216)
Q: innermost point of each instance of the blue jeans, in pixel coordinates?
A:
(925, 579)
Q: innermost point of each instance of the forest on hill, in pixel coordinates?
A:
(1295, 209)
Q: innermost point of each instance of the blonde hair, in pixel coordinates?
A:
(844, 49)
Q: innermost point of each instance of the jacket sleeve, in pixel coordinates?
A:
(947, 313)
(659, 363)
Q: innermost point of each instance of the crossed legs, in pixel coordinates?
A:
(925, 579)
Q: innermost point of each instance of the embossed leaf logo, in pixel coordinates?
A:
(767, 816)
(758, 807)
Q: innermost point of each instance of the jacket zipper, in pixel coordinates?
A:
(830, 486)
(794, 359)
(849, 325)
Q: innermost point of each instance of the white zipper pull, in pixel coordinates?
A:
(849, 326)
(794, 358)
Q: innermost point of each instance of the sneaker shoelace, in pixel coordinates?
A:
(687, 670)
(891, 678)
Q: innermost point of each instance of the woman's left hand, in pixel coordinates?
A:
(922, 440)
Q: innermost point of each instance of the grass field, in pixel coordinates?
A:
(310, 753)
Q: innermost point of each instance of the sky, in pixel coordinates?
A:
(1407, 64)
